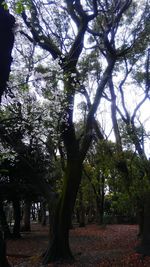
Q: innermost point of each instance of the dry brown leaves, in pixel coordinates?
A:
(92, 246)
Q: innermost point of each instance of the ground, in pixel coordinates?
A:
(92, 246)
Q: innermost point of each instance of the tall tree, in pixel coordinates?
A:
(7, 22)
(103, 20)
(135, 132)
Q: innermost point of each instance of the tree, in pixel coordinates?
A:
(7, 22)
(132, 133)
(103, 22)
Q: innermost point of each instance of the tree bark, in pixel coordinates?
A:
(17, 218)
(100, 209)
(33, 211)
(3, 222)
(43, 213)
(81, 209)
(26, 216)
(3, 259)
(7, 22)
(59, 243)
(144, 247)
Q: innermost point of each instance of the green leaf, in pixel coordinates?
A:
(19, 7)
(5, 6)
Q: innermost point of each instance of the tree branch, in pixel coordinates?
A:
(37, 33)
(90, 118)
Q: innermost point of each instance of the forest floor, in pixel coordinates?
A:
(92, 246)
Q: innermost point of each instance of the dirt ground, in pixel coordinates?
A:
(93, 246)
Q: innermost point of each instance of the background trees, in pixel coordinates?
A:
(81, 51)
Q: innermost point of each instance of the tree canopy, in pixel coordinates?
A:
(74, 104)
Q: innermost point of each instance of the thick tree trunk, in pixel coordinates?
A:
(144, 247)
(17, 218)
(59, 248)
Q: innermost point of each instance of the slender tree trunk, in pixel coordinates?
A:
(81, 209)
(59, 243)
(3, 259)
(141, 223)
(26, 216)
(33, 212)
(100, 210)
(144, 247)
(39, 213)
(43, 212)
(3, 222)
(17, 218)
(140, 216)
(100, 200)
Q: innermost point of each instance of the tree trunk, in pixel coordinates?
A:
(100, 211)
(81, 209)
(144, 247)
(140, 217)
(43, 213)
(3, 258)
(39, 211)
(3, 222)
(100, 200)
(17, 218)
(33, 212)
(7, 22)
(59, 248)
(26, 216)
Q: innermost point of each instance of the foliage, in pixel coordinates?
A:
(61, 55)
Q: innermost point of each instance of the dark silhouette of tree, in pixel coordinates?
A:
(7, 22)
